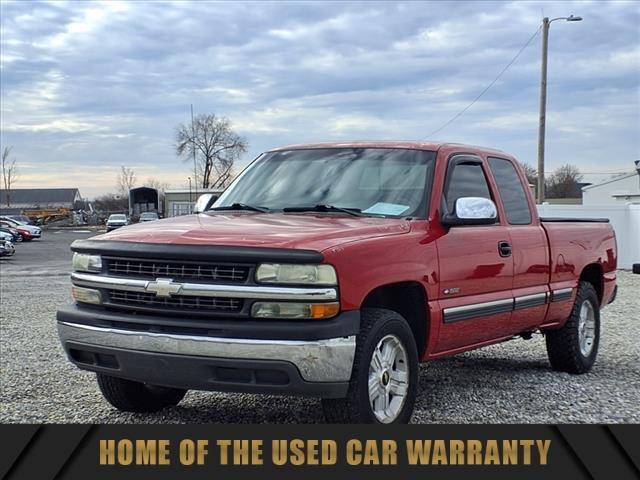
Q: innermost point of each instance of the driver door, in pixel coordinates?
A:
(476, 269)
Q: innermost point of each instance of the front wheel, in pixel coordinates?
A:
(573, 348)
(384, 379)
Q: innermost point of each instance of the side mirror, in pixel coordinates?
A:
(471, 211)
(203, 202)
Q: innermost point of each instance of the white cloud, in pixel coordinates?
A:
(95, 85)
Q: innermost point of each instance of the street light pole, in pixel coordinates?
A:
(543, 108)
(546, 23)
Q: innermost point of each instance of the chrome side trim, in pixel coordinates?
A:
(465, 312)
(329, 360)
(561, 294)
(533, 300)
(474, 310)
(209, 290)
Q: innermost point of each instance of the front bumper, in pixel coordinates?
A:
(300, 365)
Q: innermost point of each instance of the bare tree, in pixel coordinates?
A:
(157, 184)
(111, 202)
(126, 180)
(9, 173)
(216, 147)
(530, 172)
(564, 182)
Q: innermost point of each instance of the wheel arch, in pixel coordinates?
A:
(594, 274)
(409, 300)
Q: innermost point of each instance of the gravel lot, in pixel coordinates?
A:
(507, 383)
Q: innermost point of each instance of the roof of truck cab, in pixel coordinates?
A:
(408, 144)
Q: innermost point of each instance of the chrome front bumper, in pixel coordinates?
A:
(328, 360)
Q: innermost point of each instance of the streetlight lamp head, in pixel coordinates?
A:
(571, 18)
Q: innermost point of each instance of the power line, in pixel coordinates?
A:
(457, 115)
(607, 173)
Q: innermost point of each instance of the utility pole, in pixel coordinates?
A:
(193, 149)
(546, 23)
(543, 109)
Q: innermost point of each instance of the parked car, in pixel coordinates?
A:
(6, 249)
(332, 270)
(15, 235)
(28, 232)
(21, 218)
(117, 220)
(5, 236)
(148, 216)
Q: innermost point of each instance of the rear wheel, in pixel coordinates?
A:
(385, 373)
(574, 347)
(130, 396)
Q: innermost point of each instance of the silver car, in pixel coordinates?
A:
(117, 220)
(148, 216)
(6, 249)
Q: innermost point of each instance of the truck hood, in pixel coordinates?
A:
(276, 230)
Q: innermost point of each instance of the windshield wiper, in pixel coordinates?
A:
(242, 206)
(356, 212)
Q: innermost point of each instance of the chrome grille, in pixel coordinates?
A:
(179, 302)
(177, 270)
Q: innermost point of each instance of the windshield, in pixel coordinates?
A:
(374, 181)
(118, 217)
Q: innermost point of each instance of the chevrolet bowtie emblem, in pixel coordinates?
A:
(163, 287)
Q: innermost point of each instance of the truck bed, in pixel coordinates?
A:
(568, 219)
(574, 244)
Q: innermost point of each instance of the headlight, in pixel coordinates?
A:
(87, 263)
(294, 310)
(86, 295)
(305, 274)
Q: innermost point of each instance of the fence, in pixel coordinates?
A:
(624, 218)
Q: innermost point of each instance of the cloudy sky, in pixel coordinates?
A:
(87, 87)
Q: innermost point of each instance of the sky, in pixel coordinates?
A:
(89, 86)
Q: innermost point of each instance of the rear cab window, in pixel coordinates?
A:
(511, 190)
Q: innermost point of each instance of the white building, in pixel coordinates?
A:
(617, 191)
(181, 202)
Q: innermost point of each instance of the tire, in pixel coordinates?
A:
(130, 396)
(382, 331)
(566, 353)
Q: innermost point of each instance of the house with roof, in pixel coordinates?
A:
(16, 200)
(619, 190)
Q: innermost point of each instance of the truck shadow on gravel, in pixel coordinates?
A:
(455, 379)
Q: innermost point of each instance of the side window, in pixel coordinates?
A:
(511, 191)
(465, 180)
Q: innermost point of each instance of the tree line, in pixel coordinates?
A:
(564, 182)
(211, 148)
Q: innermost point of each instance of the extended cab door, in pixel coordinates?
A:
(528, 244)
(476, 266)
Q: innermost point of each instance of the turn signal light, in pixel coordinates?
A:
(324, 310)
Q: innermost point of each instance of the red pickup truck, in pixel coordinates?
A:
(332, 270)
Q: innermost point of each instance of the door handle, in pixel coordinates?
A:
(504, 248)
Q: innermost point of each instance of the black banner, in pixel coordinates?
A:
(319, 451)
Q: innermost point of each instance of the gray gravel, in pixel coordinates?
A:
(507, 383)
